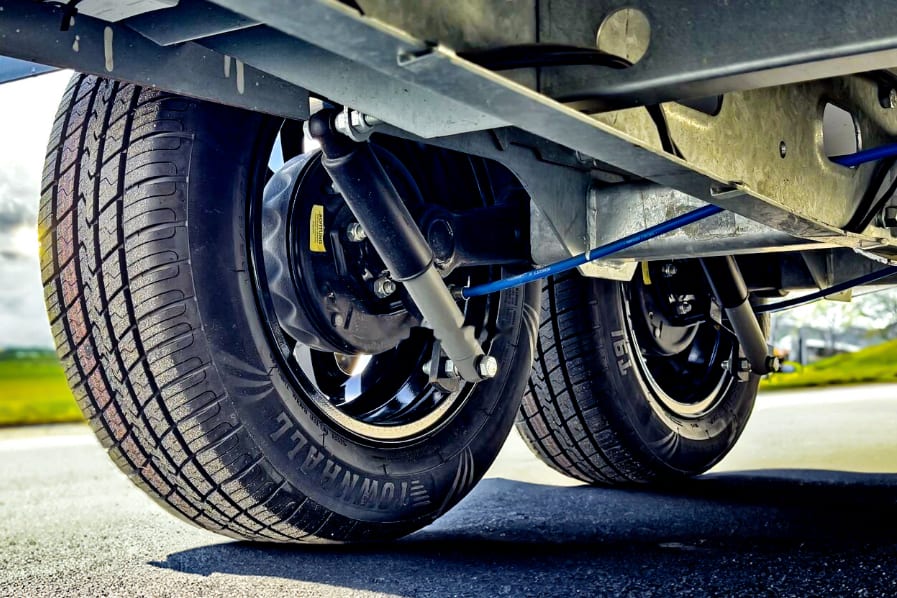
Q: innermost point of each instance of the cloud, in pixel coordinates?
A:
(27, 110)
(14, 212)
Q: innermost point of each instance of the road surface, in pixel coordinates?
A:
(806, 504)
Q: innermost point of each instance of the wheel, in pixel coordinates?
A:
(166, 275)
(621, 395)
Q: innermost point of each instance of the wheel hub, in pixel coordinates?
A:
(328, 286)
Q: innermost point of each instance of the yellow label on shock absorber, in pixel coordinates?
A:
(316, 230)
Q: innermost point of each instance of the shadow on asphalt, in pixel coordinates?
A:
(744, 527)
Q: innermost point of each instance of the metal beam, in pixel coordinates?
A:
(417, 108)
(31, 31)
(190, 20)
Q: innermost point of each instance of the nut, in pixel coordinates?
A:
(355, 233)
(669, 270)
(448, 369)
(384, 287)
(683, 308)
(487, 366)
(889, 217)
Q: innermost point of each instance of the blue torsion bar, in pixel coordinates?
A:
(867, 155)
(592, 254)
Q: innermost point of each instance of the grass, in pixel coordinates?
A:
(33, 389)
(872, 364)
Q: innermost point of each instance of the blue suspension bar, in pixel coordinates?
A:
(843, 286)
(592, 254)
(867, 155)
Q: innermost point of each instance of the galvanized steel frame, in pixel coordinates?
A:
(396, 55)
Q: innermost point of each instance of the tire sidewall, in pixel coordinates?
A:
(671, 443)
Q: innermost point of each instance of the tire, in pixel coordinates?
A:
(155, 312)
(592, 413)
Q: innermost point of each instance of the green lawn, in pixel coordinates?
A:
(33, 390)
(872, 364)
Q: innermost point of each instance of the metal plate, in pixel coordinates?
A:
(743, 142)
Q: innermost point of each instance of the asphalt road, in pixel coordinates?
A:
(805, 505)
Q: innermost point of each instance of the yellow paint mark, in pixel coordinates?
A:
(646, 276)
(316, 230)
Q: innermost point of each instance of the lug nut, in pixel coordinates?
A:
(356, 233)
(487, 366)
(384, 287)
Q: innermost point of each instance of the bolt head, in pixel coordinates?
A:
(384, 287)
(355, 233)
(683, 308)
(669, 270)
(487, 366)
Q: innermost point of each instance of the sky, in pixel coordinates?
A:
(27, 110)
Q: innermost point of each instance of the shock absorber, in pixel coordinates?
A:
(728, 287)
(373, 199)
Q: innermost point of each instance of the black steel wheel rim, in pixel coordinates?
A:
(390, 397)
(691, 382)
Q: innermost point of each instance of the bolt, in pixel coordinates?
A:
(669, 270)
(448, 368)
(889, 216)
(773, 364)
(487, 366)
(384, 287)
(783, 149)
(356, 233)
(338, 320)
(683, 308)
(887, 97)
